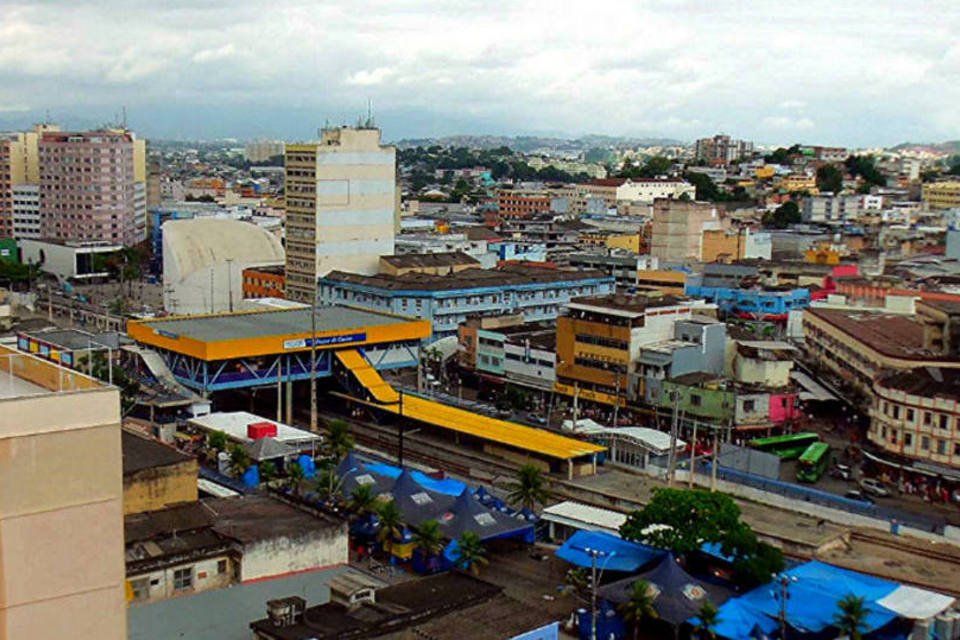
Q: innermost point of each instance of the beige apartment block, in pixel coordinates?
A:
(341, 200)
(61, 510)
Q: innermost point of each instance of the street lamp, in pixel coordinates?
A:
(782, 595)
(594, 554)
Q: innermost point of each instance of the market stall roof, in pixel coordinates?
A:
(914, 603)
(612, 553)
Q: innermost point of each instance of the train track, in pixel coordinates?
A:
(940, 553)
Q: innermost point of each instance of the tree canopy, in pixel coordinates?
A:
(686, 518)
(653, 167)
(830, 178)
(865, 168)
(783, 155)
(783, 216)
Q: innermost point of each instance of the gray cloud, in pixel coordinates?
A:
(859, 72)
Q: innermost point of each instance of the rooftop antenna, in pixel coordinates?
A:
(124, 112)
(369, 123)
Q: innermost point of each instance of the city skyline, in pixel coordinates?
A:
(859, 75)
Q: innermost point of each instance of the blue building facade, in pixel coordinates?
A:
(753, 303)
(539, 294)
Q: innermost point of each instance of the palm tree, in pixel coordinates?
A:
(639, 607)
(472, 554)
(391, 524)
(216, 442)
(362, 499)
(268, 471)
(708, 618)
(295, 477)
(327, 485)
(339, 440)
(429, 540)
(528, 491)
(851, 616)
(239, 460)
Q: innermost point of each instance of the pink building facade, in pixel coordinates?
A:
(88, 190)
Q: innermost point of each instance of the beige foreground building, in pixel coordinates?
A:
(61, 511)
(341, 195)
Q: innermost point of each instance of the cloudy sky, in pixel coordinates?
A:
(848, 72)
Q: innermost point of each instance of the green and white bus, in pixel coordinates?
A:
(813, 462)
(786, 447)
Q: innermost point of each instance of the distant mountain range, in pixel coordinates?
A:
(532, 143)
(949, 147)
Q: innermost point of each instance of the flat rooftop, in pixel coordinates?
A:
(637, 304)
(258, 324)
(269, 332)
(141, 453)
(234, 425)
(892, 335)
(24, 375)
(509, 275)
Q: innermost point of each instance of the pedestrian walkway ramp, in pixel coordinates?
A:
(368, 378)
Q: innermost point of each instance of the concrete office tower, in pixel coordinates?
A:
(341, 206)
(677, 231)
(19, 167)
(93, 187)
(61, 503)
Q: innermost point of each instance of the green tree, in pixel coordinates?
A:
(686, 517)
(865, 168)
(639, 607)
(653, 167)
(707, 190)
(217, 440)
(783, 216)
(472, 554)
(327, 485)
(362, 499)
(390, 526)
(707, 619)
(754, 561)
(851, 616)
(429, 540)
(528, 491)
(339, 440)
(783, 155)
(829, 178)
(268, 471)
(295, 477)
(239, 460)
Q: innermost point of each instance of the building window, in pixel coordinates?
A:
(944, 421)
(910, 415)
(749, 406)
(183, 579)
(896, 412)
(140, 588)
(696, 401)
(893, 436)
(221, 566)
(927, 418)
(908, 439)
(942, 447)
(925, 443)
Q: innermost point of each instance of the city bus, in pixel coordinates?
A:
(813, 462)
(786, 447)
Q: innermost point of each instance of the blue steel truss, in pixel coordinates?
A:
(239, 373)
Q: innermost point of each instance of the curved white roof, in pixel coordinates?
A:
(192, 245)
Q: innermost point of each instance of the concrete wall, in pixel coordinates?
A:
(283, 555)
(159, 487)
(160, 584)
(61, 517)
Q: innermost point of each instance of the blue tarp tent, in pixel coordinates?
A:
(416, 503)
(676, 594)
(448, 486)
(812, 604)
(468, 514)
(737, 621)
(615, 554)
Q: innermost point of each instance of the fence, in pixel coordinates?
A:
(826, 499)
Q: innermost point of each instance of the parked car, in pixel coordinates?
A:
(874, 487)
(841, 472)
(860, 496)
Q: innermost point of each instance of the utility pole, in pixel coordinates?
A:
(616, 405)
(674, 425)
(400, 432)
(313, 361)
(230, 284)
(693, 454)
(576, 404)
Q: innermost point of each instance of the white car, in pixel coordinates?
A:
(874, 486)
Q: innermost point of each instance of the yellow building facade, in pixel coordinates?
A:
(942, 195)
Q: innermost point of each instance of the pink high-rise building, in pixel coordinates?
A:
(89, 188)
